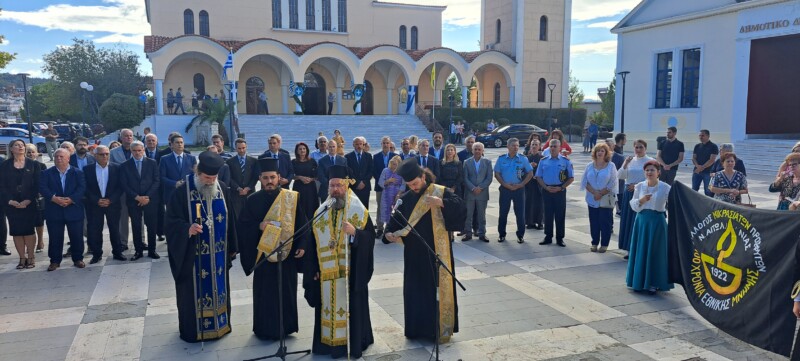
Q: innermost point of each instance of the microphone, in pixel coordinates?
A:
(397, 205)
(328, 203)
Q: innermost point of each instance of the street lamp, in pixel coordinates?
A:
(27, 110)
(88, 88)
(623, 74)
(552, 87)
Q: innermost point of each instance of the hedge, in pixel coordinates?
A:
(533, 116)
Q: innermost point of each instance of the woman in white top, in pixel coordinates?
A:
(647, 266)
(599, 180)
(632, 172)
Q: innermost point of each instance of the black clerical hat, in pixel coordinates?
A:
(209, 163)
(409, 169)
(337, 171)
(268, 165)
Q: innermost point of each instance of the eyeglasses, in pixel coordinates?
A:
(103, 154)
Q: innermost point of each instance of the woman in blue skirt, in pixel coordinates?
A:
(632, 172)
(647, 265)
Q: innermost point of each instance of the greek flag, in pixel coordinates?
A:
(228, 65)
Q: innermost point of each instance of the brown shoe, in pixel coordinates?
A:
(80, 264)
(53, 267)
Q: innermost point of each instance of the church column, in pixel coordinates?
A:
(339, 100)
(159, 88)
(464, 96)
(389, 100)
(511, 93)
(284, 99)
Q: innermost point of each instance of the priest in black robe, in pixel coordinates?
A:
(201, 239)
(268, 217)
(339, 266)
(433, 211)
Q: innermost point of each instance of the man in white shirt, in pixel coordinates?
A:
(103, 195)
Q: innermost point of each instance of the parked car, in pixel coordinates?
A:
(605, 133)
(36, 129)
(66, 132)
(498, 137)
(9, 134)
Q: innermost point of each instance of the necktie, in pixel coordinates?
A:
(180, 163)
(425, 162)
(274, 156)
(102, 183)
(358, 158)
(241, 164)
(139, 167)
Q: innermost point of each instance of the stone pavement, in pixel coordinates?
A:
(523, 302)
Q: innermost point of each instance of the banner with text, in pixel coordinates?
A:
(736, 266)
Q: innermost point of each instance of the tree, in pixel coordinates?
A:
(120, 111)
(608, 101)
(576, 95)
(453, 89)
(211, 112)
(5, 57)
(109, 71)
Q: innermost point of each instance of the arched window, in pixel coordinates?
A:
(402, 36)
(204, 27)
(326, 15)
(311, 19)
(540, 95)
(543, 28)
(497, 34)
(496, 95)
(294, 17)
(414, 37)
(188, 22)
(199, 82)
(277, 21)
(342, 16)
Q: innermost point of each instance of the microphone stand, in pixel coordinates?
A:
(439, 264)
(201, 333)
(281, 352)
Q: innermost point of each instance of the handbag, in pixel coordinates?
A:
(609, 200)
(749, 202)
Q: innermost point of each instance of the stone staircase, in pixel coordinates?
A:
(304, 128)
(763, 156)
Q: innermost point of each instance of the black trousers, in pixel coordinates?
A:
(668, 176)
(506, 197)
(363, 196)
(97, 215)
(160, 219)
(330, 108)
(55, 230)
(555, 209)
(149, 213)
(533, 203)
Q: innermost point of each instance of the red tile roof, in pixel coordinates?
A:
(153, 43)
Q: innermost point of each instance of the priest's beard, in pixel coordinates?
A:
(208, 191)
(338, 203)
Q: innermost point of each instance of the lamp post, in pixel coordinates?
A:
(552, 87)
(87, 88)
(27, 110)
(623, 74)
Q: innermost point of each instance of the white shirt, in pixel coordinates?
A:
(657, 203)
(102, 178)
(635, 172)
(599, 179)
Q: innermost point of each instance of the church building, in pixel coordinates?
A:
(333, 46)
(729, 66)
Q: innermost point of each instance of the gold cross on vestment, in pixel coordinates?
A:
(220, 218)
(341, 312)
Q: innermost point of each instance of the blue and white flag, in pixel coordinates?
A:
(228, 65)
(412, 98)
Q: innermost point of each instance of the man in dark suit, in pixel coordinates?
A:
(244, 175)
(224, 173)
(168, 149)
(140, 180)
(360, 164)
(425, 160)
(151, 151)
(63, 188)
(437, 150)
(103, 193)
(466, 153)
(81, 158)
(218, 142)
(118, 156)
(285, 169)
(380, 161)
(405, 149)
(322, 168)
(174, 168)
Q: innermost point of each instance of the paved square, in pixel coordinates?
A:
(523, 302)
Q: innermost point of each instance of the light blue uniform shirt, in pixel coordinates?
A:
(550, 168)
(513, 170)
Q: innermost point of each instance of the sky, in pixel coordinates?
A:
(34, 28)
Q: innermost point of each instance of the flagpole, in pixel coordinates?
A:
(232, 100)
(433, 81)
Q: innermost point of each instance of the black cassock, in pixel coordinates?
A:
(182, 249)
(361, 268)
(419, 288)
(265, 280)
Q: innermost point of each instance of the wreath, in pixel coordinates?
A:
(299, 89)
(358, 91)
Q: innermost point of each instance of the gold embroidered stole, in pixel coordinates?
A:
(280, 219)
(441, 241)
(332, 255)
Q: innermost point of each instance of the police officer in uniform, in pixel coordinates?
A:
(513, 171)
(554, 175)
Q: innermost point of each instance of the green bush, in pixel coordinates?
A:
(503, 122)
(479, 127)
(535, 116)
(120, 111)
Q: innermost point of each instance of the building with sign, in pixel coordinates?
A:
(729, 66)
(331, 46)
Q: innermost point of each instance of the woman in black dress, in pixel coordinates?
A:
(20, 187)
(305, 173)
(33, 154)
(534, 207)
(451, 173)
